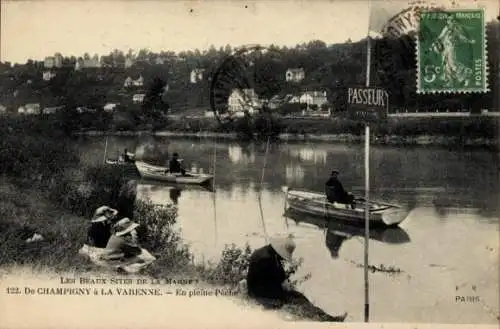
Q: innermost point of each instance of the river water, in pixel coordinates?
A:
(446, 249)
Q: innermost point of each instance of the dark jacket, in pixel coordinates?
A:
(98, 234)
(265, 274)
(175, 166)
(335, 190)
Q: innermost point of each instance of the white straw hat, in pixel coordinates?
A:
(284, 246)
(124, 226)
(101, 211)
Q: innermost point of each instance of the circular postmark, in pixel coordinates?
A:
(244, 81)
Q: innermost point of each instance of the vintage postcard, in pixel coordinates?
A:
(208, 164)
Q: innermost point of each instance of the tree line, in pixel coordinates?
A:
(330, 68)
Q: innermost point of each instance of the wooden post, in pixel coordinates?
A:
(367, 189)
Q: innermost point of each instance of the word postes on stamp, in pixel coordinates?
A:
(451, 52)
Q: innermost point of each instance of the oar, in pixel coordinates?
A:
(381, 203)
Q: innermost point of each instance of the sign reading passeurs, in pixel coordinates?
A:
(368, 102)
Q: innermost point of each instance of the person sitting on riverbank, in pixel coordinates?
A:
(268, 283)
(175, 165)
(123, 243)
(335, 191)
(99, 231)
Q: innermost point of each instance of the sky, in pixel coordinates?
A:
(35, 29)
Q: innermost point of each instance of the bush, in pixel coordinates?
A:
(157, 235)
(233, 267)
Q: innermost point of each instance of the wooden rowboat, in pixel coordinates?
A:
(316, 204)
(159, 173)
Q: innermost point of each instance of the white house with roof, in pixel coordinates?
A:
(53, 61)
(138, 98)
(48, 75)
(129, 82)
(92, 62)
(196, 75)
(295, 74)
(52, 110)
(110, 107)
(316, 97)
(242, 100)
(29, 109)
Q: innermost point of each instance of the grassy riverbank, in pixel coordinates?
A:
(46, 191)
(474, 131)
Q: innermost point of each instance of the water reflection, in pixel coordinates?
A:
(314, 155)
(161, 193)
(240, 155)
(294, 174)
(457, 180)
(338, 233)
(175, 194)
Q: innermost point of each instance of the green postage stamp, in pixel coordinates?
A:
(451, 52)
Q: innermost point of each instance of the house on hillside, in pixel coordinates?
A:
(295, 75)
(53, 61)
(129, 82)
(128, 62)
(243, 100)
(138, 98)
(48, 75)
(196, 75)
(83, 63)
(84, 109)
(29, 109)
(3, 109)
(278, 100)
(52, 110)
(316, 97)
(110, 107)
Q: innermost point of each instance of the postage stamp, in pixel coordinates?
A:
(451, 52)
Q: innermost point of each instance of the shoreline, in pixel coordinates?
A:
(388, 140)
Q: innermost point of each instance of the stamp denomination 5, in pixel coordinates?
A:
(451, 52)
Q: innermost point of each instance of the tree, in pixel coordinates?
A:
(153, 105)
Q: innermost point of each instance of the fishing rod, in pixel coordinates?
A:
(260, 190)
(105, 149)
(213, 187)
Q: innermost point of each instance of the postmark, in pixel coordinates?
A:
(243, 81)
(451, 52)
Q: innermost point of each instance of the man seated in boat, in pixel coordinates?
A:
(175, 165)
(267, 281)
(126, 156)
(335, 191)
(100, 229)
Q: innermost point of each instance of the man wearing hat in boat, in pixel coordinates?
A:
(175, 165)
(267, 280)
(99, 231)
(123, 243)
(335, 191)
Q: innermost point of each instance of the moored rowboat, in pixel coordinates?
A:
(159, 173)
(316, 204)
